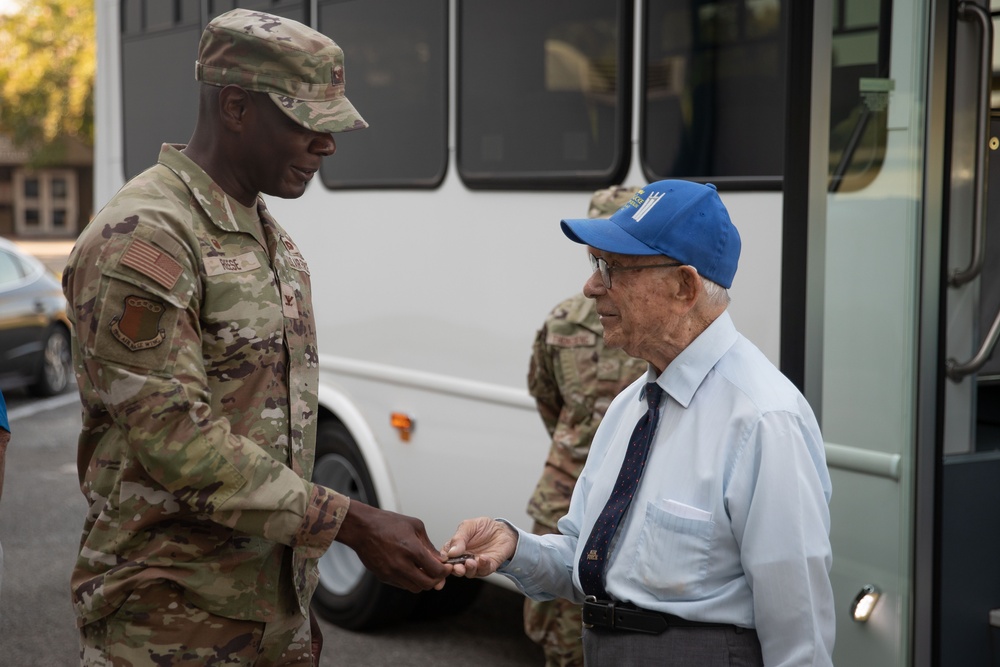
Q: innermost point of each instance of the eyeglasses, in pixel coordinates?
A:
(598, 264)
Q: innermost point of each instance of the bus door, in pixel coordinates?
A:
(895, 216)
(864, 296)
(968, 587)
(907, 391)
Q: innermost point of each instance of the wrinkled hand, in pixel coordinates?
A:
(395, 548)
(492, 542)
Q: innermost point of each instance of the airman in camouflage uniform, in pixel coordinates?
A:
(195, 352)
(573, 379)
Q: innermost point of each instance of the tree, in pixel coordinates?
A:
(47, 63)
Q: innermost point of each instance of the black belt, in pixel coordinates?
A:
(628, 618)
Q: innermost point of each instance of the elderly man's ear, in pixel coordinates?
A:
(687, 285)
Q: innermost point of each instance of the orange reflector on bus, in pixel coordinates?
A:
(402, 423)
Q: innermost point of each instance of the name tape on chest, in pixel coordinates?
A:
(215, 266)
(582, 339)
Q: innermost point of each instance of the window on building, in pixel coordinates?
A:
(45, 202)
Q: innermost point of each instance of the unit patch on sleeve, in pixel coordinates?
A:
(294, 257)
(149, 261)
(138, 327)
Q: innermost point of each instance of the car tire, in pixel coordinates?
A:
(348, 594)
(56, 367)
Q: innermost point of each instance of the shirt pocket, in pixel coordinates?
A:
(673, 550)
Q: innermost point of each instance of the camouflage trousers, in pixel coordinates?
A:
(157, 627)
(555, 625)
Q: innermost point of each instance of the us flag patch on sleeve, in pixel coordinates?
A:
(149, 261)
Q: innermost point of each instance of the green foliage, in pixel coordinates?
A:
(47, 63)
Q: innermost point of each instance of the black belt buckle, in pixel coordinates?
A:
(614, 617)
(600, 614)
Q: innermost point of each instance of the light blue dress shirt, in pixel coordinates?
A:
(731, 521)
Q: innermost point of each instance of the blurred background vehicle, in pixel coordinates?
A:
(34, 330)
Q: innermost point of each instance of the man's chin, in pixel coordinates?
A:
(611, 341)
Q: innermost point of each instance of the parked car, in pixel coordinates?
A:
(34, 329)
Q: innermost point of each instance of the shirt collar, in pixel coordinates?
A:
(689, 369)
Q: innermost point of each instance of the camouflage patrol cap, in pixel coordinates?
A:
(607, 201)
(299, 68)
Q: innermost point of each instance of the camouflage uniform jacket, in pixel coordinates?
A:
(573, 378)
(195, 352)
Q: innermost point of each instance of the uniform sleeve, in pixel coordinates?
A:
(778, 499)
(542, 382)
(136, 312)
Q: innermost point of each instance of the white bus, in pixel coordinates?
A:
(850, 140)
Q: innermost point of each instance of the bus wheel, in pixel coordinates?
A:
(348, 594)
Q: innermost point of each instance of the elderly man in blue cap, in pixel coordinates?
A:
(698, 532)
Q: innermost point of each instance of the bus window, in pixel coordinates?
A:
(396, 60)
(713, 104)
(162, 95)
(543, 92)
(290, 9)
(859, 92)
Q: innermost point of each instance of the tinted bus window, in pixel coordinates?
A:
(859, 92)
(713, 104)
(396, 65)
(159, 44)
(543, 92)
(290, 9)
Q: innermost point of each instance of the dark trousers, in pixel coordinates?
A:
(677, 647)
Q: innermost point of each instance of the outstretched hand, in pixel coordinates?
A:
(394, 547)
(490, 543)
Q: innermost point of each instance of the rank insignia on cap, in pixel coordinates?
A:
(148, 260)
(138, 327)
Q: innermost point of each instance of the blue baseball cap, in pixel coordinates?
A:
(683, 220)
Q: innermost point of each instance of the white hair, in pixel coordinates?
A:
(716, 294)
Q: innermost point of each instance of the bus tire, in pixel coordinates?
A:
(348, 594)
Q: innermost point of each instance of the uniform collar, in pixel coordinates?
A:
(220, 208)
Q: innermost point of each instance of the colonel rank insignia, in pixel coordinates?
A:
(138, 327)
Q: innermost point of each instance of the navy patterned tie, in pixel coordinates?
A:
(592, 561)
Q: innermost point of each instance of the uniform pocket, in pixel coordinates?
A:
(673, 550)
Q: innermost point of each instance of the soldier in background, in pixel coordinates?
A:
(573, 378)
(195, 352)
